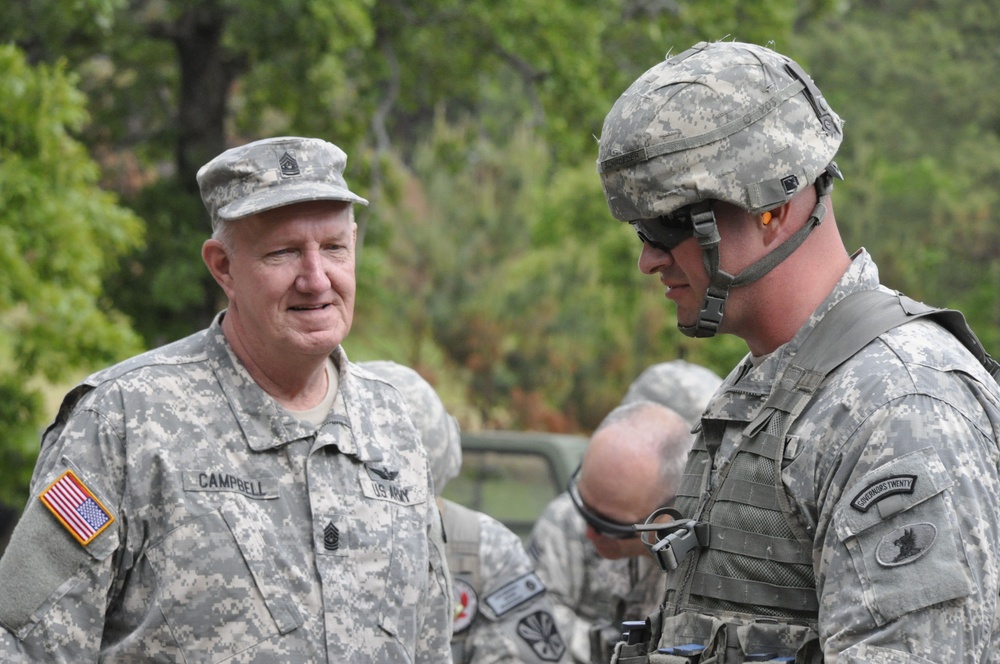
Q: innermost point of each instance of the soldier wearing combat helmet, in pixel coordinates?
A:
(841, 499)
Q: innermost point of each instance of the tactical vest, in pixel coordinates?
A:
(747, 590)
(461, 527)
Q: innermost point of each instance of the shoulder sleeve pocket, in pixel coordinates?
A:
(900, 526)
(41, 564)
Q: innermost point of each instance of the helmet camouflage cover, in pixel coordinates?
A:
(727, 121)
(679, 385)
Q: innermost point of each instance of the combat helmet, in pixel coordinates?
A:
(679, 385)
(722, 121)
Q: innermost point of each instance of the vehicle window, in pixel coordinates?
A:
(512, 487)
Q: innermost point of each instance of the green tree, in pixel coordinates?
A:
(921, 152)
(60, 234)
(518, 281)
(527, 81)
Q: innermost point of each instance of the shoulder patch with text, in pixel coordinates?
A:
(883, 489)
(515, 593)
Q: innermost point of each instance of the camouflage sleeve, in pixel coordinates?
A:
(557, 549)
(516, 622)
(434, 645)
(908, 564)
(58, 570)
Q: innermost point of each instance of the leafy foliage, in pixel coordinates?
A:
(489, 261)
(921, 152)
(59, 236)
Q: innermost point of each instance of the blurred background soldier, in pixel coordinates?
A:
(600, 577)
(681, 386)
(503, 613)
(841, 501)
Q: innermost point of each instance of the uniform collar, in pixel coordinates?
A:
(746, 387)
(264, 423)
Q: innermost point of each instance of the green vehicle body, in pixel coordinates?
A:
(512, 475)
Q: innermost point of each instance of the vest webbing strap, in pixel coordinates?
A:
(756, 545)
(755, 593)
(749, 493)
(851, 325)
(461, 526)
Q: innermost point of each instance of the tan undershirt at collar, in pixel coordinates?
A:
(317, 414)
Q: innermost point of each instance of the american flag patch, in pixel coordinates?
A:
(76, 507)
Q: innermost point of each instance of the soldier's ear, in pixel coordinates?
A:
(216, 258)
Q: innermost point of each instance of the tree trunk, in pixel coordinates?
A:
(207, 71)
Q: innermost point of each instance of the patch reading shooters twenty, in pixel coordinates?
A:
(76, 507)
(514, 594)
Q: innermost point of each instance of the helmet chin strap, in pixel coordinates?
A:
(706, 230)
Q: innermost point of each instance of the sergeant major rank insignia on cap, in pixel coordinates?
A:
(76, 507)
(289, 166)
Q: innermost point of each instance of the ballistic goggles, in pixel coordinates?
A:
(666, 232)
(600, 523)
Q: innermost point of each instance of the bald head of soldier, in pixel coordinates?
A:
(632, 466)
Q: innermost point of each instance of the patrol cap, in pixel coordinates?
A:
(438, 429)
(725, 121)
(679, 385)
(271, 173)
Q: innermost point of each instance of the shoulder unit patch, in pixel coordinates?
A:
(466, 605)
(883, 489)
(540, 632)
(906, 544)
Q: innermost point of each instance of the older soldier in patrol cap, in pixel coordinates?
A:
(599, 573)
(503, 614)
(841, 501)
(245, 494)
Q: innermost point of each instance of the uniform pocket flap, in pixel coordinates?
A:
(49, 553)
(890, 489)
(246, 532)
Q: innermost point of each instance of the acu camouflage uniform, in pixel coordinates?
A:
(870, 535)
(679, 385)
(592, 595)
(239, 533)
(867, 531)
(502, 612)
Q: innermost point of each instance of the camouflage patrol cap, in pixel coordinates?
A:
(438, 429)
(271, 173)
(727, 121)
(681, 386)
